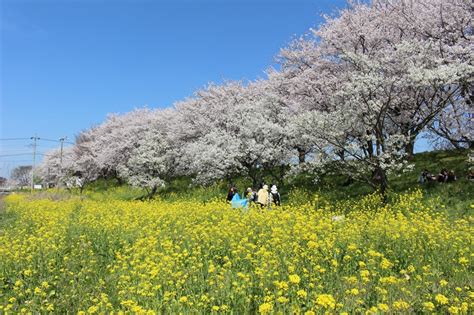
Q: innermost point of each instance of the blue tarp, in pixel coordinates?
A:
(239, 203)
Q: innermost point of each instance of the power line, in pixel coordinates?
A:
(52, 140)
(37, 153)
(59, 140)
(10, 151)
(13, 139)
(14, 161)
(17, 154)
(37, 138)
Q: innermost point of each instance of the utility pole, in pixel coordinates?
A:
(61, 159)
(35, 138)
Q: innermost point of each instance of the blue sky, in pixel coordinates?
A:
(66, 64)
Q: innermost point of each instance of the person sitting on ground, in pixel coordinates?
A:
(426, 176)
(237, 202)
(262, 198)
(275, 195)
(451, 177)
(231, 193)
(470, 175)
(423, 176)
(443, 176)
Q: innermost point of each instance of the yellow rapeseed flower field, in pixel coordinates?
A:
(85, 256)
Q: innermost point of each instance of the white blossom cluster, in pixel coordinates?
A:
(354, 93)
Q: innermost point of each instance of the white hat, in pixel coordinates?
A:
(274, 189)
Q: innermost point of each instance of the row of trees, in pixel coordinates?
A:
(354, 93)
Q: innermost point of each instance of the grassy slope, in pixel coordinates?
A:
(457, 196)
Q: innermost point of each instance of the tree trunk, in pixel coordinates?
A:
(229, 180)
(370, 149)
(341, 154)
(253, 174)
(152, 192)
(409, 148)
(301, 155)
(383, 187)
(380, 180)
(282, 174)
(254, 182)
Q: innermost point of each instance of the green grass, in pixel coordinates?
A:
(456, 196)
(6, 218)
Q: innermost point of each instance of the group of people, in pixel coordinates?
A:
(444, 176)
(470, 175)
(261, 197)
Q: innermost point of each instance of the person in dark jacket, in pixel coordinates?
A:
(231, 193)
(443, 176)
(251, 195)
(451, 177)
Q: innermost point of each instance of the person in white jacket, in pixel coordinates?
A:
(275, 195)
(262, 196)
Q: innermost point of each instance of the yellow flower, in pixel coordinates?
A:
(352, 247)
(197, 255)
(441, 299)
(463, 261)
(428, 306)
(212, 268)
(383, 307)
(353, 279)
(354, 291)
(265, 308)
(386, 264)
(401, 305)
(295, 279)
(326, 301)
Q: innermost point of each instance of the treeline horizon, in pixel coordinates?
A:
(356, 92)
